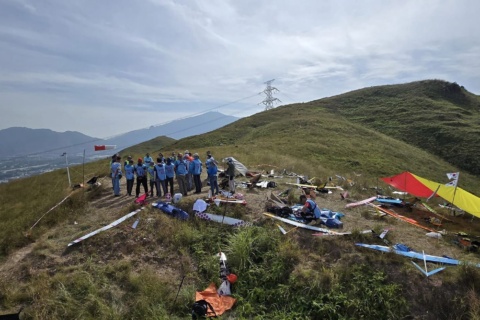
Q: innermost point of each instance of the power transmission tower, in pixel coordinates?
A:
(269, 100)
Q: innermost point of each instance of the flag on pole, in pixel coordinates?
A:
(104, 147)
(453, 177)
(63, 154)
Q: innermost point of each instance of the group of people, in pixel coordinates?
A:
(159, 176)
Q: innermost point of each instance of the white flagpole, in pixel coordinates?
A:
(455, 192)
(456, 184)
(68, 170)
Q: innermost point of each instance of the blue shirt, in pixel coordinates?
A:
(151, 173)
(140, 170)
(196, 167)
(211, 167)
(170, 170)
(129, 172)
(147, 160)
(116, 169)
(161, 172)
(180, 167)
(313, 208)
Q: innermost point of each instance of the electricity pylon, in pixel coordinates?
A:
(269, 100)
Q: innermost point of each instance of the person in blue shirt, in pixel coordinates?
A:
(147, 160)
(116, 170)
(170, 174)
(130, 175)
(162, 158)
(141, 173)
(127, 161)
(310, 210)
(187, 157)
(212, 170)
(196, 170)
(160, 177)
(151, 177)
(181, 172)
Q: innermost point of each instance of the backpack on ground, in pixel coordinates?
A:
(200, 309)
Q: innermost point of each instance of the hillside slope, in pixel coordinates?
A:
(440, 117)
(152, 271)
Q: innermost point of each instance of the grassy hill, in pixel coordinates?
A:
(126, 273)
(436, 116)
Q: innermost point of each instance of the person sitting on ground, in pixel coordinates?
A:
(310, 210)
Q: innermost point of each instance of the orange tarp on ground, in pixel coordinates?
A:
(219, 303)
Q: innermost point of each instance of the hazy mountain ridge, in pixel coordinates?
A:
(29, 152)
(176, 129)
(17, 141)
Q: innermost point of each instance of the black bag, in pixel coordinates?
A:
(200, 309)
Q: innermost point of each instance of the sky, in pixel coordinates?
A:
(108, 67)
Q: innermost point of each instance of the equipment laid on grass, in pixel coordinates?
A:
(111, 225)
(359, 203)
(302, 225)
(400, 217)
(403, 250)
(221, 219)
(171, 210)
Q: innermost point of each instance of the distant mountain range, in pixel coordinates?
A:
(177, 129)
(26, 152)
(17, 141)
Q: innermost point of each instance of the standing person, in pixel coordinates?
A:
(116, 170)
(130, 175)
(196, 170)
(147, 160)
(129, 158)
(114, 158)
(212, 170)
(173, 157)
(310, 210)
(141, 172)
(169, 173)
(162, 158)
(160, 177)
(187, 156)
(151, 177)
(181, 171)
(231, 175)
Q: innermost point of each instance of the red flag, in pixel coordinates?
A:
(104, 147)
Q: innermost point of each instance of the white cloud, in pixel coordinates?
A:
(149, 58)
